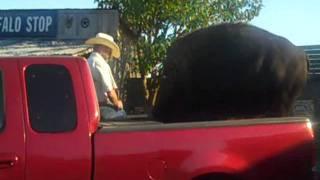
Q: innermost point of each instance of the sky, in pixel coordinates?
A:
(297, 20)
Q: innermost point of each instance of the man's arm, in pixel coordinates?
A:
(112, 95)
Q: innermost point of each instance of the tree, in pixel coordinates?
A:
(155, 24)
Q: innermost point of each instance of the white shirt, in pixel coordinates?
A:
(102, 76)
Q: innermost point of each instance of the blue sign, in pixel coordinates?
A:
(28, 23)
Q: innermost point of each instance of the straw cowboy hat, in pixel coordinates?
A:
(105, 40)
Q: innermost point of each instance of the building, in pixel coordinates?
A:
(309, 103)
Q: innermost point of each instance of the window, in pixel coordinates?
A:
(51, 100)
(1, 104)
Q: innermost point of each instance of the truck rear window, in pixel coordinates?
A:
(51, 100)
(1, 104)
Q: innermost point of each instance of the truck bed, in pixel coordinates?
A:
(271, 148)
(132, 120)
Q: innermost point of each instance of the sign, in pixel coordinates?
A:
(57, 24)
(28, 23)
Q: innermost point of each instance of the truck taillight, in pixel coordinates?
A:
(313, 128)
(309, 124)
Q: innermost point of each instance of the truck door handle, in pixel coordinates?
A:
(8, 160)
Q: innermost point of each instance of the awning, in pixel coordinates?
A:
(42, 48)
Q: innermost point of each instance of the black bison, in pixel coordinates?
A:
(230, 71)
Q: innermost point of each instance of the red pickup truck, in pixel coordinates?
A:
(50, 129)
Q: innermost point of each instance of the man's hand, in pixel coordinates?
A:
(114, 99)
(119, 104)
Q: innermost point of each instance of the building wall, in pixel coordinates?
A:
(309, 101)
(83, 24)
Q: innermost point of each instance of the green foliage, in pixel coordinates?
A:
(156, 23)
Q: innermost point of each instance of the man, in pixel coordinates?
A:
(104, 48)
